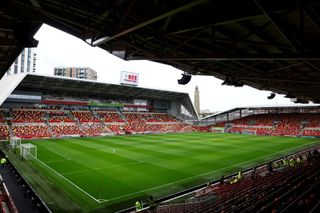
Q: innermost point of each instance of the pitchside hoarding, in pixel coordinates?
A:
(129, 78)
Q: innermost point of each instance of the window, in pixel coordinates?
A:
(22, 61)
(28, 60)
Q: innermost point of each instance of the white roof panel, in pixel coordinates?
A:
(8, 83)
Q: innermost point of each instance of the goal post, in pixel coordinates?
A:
(249, 131)
(15, 142)
(28, 151)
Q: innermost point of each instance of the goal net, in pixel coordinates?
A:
(249, 131)
(15, 142)
(28, 151)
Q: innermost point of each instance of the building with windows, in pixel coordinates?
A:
(24, 63)
(76, 72)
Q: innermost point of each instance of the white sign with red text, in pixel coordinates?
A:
(130, 78)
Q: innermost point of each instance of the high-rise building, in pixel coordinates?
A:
(197, 100)
(76, 72)
(24, 63)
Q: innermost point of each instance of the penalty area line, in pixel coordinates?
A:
(73, 184)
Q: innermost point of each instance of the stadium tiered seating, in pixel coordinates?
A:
(143, 122)
(109, 116)
(157, 117)
(27, 115)
(85, 116)
(310, 120)
(59, 116)
(149, 117)
(256, 120)
(292, 124)
(69, 129)
(311, 132)
(288, 124)
(252, 130)
(117, 129)
(4, 132)
(31, 131)
(2, 118)
(162, 128)
(288, 188)
(95, 129)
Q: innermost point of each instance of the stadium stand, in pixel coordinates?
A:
(109, 116)
(153, 122)
(117, 129)
(4, 132)
(59, 116)
(2, 118)
(97, 122)
(290, 124)
(27, 115)
(85, 116)
(67, 129)
(95, 129)
(31, 131)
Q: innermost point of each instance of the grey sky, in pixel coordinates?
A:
(57, 48)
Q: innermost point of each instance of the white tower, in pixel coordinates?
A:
(197, 100)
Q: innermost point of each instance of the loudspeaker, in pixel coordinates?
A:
(184, 79)
(271, 96)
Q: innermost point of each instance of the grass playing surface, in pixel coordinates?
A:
(106, 173)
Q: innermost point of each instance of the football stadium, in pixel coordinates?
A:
(78, 145)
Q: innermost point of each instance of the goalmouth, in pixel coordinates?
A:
(249, 131)
(15, 142)
(28, 151)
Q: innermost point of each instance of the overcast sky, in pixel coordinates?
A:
(57, 48)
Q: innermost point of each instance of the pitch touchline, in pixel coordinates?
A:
(71, 182)
(211, 172)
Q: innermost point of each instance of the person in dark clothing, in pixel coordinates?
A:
(316, 154)
(269, 167)
(152, 204)
(309, 157)
(253, 173)
(222, 180)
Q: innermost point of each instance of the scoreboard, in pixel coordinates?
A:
(129, 78)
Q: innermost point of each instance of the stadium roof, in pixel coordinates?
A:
(88, 88)
(272, 107)
(267, 44)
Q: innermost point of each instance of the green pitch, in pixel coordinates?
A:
(108, 173)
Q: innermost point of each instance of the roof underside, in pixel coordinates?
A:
(72, 87)
(267, 44)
